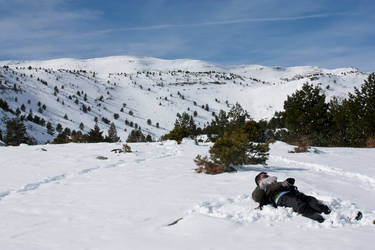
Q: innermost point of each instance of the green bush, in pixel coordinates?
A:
(236, 149)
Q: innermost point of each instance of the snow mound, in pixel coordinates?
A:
(242, 210)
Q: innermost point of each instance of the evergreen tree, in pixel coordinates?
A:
(255, 131)
(59, 128)
(235, 149)
(30, 116)
(149, 138)
(84, 108)
(184, 126)
(112, 134)
(306, 115)
(95, 135)
(50, 128)
(62, 138)
(16, 133)
(360, 109)
(136, 136)
(340, 129)
(237, 117)
(81, 126)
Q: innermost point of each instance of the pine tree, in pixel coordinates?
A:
(112, 134)
(236, 149)
(95, 135)
(184, 126)
(81, 126)
(306, 115)
(149, 138)
(360, 108)
(15, 133)
(237, 117)
(59, 128)
(136, 136)
(30, 116)
(50, 129)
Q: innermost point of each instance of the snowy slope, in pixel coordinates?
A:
(153, 89)
(52, 197)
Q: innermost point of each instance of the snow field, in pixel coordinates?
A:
(64, 197)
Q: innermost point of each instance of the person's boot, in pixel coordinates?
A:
(312, 214)
(326, 209)
(317, 217)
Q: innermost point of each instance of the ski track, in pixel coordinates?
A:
(55, 179)
(369, 181)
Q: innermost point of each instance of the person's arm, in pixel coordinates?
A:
(289, 184)
(260, 196)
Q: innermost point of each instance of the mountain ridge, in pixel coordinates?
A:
(142, 89)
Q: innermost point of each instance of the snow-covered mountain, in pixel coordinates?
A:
(132, 91)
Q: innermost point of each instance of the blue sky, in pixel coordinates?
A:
(268, 32)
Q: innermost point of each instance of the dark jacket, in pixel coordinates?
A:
(268, 196)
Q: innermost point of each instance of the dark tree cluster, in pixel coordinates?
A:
(309, 119)
(95, 135)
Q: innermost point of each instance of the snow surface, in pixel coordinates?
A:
(64, 197)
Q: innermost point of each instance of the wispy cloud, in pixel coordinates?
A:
(228, 22)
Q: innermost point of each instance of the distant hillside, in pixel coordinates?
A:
(129, 91)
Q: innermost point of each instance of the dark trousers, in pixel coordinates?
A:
(305, 205)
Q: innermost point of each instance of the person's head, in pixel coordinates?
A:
(260, 176)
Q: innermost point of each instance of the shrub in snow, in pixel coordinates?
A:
(236, 149)
(209, 167)
(230, 150)
(302, 146)
(105, 120)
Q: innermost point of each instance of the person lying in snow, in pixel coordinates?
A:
(285, 194)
